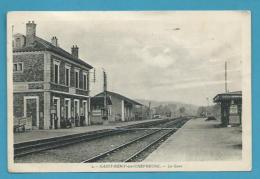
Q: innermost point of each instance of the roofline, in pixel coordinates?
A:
(96, 97)
(231, 95)
(113, 93)
(77, 60)
(81, 62)
(52, 49)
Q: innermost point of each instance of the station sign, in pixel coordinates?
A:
(233, 109)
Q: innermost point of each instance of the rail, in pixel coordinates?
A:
(101, 156)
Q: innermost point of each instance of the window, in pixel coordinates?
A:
(15, 67)
(84, 81)
(56, 72)
(67, 76)
(76, 78)
(18, 67)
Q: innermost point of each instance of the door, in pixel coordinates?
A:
(67, 112)
(76, 112)
(67, 109)
(76, 108)
(85, 112)
(31, 109)
(56, 103)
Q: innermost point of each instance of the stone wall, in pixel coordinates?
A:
(62, 102)
(18, 105)
(116, 109)
(33, 67)
(72, 75)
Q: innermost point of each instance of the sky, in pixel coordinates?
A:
(161, 56)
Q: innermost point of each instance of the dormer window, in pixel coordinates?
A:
(19, 41)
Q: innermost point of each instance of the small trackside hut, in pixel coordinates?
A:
(231, 107)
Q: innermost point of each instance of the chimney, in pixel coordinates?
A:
(30, 33)
(54, 41)
(75, 51)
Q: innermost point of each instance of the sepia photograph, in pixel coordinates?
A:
(129, 91)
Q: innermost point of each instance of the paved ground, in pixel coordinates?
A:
(200, 140)
(42, 134)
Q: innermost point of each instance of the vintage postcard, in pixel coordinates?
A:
(124, 91)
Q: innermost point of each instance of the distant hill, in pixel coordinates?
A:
(173, 106)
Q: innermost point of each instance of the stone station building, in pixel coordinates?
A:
(47, 79)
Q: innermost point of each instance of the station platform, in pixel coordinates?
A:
(43, 134)
(200, 140)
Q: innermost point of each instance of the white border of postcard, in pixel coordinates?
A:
(244, 165)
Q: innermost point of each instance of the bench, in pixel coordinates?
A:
(22, 124)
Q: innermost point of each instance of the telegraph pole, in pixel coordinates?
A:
(105, 96)
(94, 81)
(226, 90)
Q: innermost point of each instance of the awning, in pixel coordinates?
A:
(237, 95)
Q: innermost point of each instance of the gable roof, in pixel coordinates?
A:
(43, 45)
(120, 96)
(99, 100)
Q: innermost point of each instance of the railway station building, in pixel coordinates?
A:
(231, 107)
(120, 108)
(50, 85)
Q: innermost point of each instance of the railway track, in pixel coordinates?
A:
(129, 151)
(26, 148)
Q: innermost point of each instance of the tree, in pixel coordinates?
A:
(182, 110)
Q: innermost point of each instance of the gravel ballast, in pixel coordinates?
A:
(82, 151)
